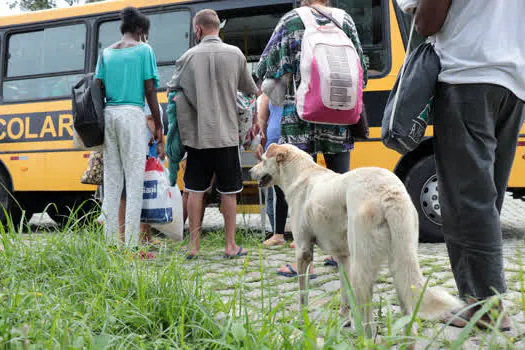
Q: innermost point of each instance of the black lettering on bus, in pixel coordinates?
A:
(36, 127)
(2, 133)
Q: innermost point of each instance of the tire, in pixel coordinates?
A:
(421, 183)
(6, 201)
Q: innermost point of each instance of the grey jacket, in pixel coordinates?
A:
(209, 75)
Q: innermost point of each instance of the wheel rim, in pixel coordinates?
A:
(429, 200)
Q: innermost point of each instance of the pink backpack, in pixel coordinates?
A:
(331, 89)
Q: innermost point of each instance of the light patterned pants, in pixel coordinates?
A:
(124, 145)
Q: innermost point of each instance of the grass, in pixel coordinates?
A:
(67, 290)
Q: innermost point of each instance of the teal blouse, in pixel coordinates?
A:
(123, 72)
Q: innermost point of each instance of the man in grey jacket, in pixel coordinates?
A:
(478, 113)
(209, 75)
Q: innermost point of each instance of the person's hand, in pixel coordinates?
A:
(259, 152)
(159, 136)
(264, 139)
(255, 129)
(161, 150)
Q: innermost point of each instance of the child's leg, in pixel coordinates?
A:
(145, 235)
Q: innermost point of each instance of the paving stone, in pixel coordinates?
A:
(332, 286)
(383, 287)
(518, 318)
(448, 333)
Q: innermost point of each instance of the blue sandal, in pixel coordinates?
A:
(238, 255)
(293, 273)
(330, 261)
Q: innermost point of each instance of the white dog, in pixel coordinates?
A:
(364, 217)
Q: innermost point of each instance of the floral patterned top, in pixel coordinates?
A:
(282, 56)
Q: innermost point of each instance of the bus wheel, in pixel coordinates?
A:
(421, 183)
(5, 197)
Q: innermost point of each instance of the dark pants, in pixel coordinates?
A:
(337, 162)
(277, 209)
(476, 127)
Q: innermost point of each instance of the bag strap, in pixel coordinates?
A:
(402, 74)
(329, 17)
(307, 17)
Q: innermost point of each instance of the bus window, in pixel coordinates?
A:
(169, 37)
(370, 20)
(44, 63)
(250, 29)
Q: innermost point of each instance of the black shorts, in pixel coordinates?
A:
(202, 164)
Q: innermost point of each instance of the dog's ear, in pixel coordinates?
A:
(281, 157)
(280, 153)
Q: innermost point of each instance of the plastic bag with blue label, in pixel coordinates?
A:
(157, 205)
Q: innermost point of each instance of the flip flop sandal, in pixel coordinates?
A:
(234, 256)
(191, 257)
(293, 273)
(273, 242)
(330, 261)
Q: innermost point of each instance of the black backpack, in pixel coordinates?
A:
(88, 111)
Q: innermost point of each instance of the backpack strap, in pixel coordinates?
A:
(339, 16)
(307, 17)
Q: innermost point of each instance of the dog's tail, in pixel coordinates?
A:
(402, 219)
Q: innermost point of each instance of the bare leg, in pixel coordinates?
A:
(185, 206)
(195, 208)
(145, 233)
(229, 212)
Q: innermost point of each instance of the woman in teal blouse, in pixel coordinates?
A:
(127, 71)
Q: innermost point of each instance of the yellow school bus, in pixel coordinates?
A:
(42, 54)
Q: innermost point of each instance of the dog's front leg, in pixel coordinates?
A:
(304, 254)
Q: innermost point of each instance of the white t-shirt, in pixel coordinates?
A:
(482, 41)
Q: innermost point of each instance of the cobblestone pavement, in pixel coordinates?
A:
(255, 281)
(258, 270)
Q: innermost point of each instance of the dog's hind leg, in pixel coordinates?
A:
(363, 272)
(344, 269)
(366, 244)
(304, 252)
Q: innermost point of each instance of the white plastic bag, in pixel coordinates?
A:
(156, 198)
(175, 229)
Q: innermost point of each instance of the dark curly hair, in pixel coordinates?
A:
(132, 19)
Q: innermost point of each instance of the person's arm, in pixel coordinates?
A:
(246, 83)
(100, 84)
(262, 117)
(175, 82)
(262, 122)
(276, 59)
(430, 16)
(151, 83)
(100, 75)
(151, 97)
